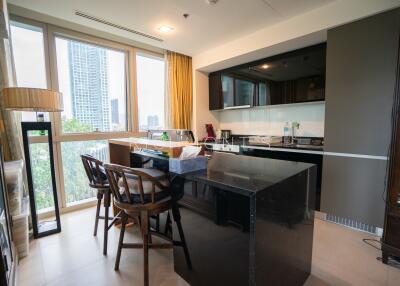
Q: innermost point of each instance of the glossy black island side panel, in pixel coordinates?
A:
(248, 221)
(284, 231)
(219, 250)
(249, 240)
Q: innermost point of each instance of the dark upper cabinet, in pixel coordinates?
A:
(294, 77)
(215, 91)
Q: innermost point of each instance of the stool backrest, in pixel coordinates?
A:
(93, 169)
(116, 173)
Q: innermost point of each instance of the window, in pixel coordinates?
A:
(150, 73)
(30, 64)
(92, 80)
(75, 180)
(94, 76)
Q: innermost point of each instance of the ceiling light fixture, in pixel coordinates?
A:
(265, 66)
(165, 29)
(211, 2)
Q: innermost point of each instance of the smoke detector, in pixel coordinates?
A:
(211, 2)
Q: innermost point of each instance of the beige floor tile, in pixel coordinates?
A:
(74, 257)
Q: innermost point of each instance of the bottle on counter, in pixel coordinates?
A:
(164, 136)
(286, 133)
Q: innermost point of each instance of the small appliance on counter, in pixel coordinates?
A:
(226, 134)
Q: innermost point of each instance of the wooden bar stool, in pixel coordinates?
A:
(98, 180)
(141, 193)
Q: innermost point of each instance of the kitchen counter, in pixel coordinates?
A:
(248, 221)
(244, 174)
(243, 142)
(120, 148)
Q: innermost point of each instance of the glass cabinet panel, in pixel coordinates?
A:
(244, 91)
(227, 90)
(263, 94)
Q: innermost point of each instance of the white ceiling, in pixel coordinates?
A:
(207, 26)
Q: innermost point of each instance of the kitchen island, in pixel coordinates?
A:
(248, 221)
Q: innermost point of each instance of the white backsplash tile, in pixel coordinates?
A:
(270, 120)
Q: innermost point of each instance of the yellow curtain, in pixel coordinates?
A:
(180, 89)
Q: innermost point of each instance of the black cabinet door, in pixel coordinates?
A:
(244, 92)
(215, 91)
(310, 89)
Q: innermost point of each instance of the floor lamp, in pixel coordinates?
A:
(43, 100)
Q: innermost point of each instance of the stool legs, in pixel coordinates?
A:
(106, 212)
(177, 218)
(96, 222)
(144, 218)
(124, 218)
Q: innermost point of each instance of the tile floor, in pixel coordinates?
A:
(74, 257)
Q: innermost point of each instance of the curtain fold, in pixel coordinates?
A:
(10, 127)
(180, 90)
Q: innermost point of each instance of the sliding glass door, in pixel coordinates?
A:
(98, 81)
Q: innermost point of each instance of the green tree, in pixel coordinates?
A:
(75, 180)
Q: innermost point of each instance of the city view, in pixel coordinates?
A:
(92, 80)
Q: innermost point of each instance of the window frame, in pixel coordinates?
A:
(50, 34)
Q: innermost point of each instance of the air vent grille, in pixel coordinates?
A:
(108, 23)
(353, 224)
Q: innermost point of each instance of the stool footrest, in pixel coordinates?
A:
(151, 245)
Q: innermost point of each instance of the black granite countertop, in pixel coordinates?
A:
(242, 140)
(246, 174)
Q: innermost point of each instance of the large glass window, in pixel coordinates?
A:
(30, 64)
(92, 80)
(92, 75)
(75, 179)
(150, 73)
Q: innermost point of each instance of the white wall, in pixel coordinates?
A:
(201, 114)
(270, 120)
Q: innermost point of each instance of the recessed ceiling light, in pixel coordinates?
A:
(165, 29)
(211, 2)
(265, 66)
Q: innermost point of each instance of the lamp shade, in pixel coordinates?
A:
(32, 99)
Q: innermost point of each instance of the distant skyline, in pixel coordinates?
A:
(150, 87)
(115, 78)
(31, 72)
(89, 85)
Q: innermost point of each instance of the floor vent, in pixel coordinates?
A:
(354, 224)
(108, 23)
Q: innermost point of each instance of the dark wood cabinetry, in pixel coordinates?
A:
(293, 77)
(215, 91)
(391, 235)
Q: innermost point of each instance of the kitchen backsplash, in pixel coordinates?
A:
(270, 120)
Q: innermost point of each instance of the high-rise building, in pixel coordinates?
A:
(152, 121)
(114, 111)
(89, 86)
